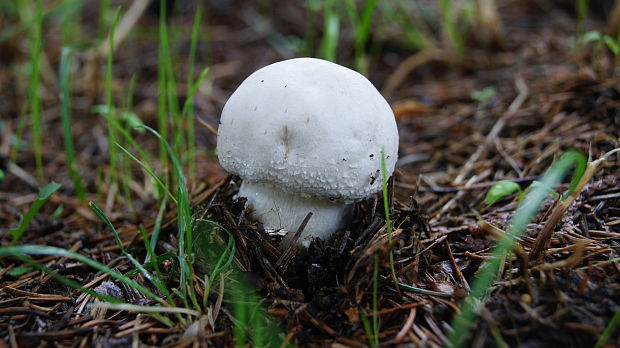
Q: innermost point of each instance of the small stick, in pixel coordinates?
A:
(406, 327)
(455, 267)
(290, 244)
(557, 213)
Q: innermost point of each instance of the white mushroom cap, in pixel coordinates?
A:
(310, 129)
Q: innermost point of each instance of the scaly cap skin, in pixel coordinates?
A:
(309, 127)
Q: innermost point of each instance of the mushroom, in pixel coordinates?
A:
(306, 135)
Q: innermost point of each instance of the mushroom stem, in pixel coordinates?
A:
(282, 211)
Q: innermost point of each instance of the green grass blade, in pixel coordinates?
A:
(386, 207)
(448, 22)
(130, 121)
(367, 328)
(184, 221)
(150, 171)
(64, 281)
(151, 252)
(109, 101)
(170, 92)
(331, 31)
(609, 329)
(54, 251)
(65, 114)
(158, 220)
(463, 323)
(226, 257)
(25, 220)
(126, 135)
(144, 272)
(361, 35)
(191, 130)
(187, 106)
(580, 162)
(162, 123)
(33, 90)
(104, 17)
(70, 20)
(154, 264)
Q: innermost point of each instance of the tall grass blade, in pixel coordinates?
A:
(162, 123)
(609, 329)
(150, 171)
(54, 251)
(463, 322)
(109, 102)
(144, 272)
(65, 114)
(64, 281)
(388, 220)
(151, 252)
(104, 17)
(158, 220)
(185, 225)
(191, 130)
(449, 24)
(361, 27)
(581, 8)
(71, 21)
(33, 89)
(331, 31)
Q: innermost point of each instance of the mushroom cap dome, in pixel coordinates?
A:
(311, 127)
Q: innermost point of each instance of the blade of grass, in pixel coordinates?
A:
(448, 23)
(361, 26)
(112, 138)
(162, 124)
(65, 114)
(331, 30)
(151, 252)
(581, 8)
(127, 136)
(388, 221)
(129, 122)
(25, 220)
(154, 264)
(191, 131)
(70, 20)
(104, 17)
(367, 328)
(150, 171)
(145, 273)
(187, 106)
(463, 323)
(33, 89)
(226, 257)
(169, 86)
(184, 223)
(609, 329)
(64, 281)
(74, 285)
(54, 251)
(158, 220)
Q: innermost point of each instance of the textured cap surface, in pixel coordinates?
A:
(311, 127)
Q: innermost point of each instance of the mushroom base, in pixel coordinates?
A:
(279, 210)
